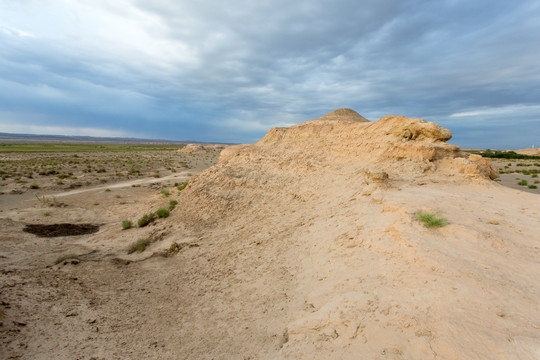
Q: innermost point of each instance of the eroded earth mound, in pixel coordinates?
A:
(306, 245)
(313, 231)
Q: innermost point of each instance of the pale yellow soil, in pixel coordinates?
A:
(304, 245)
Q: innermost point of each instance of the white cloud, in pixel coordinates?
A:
(63, 130)
(11, 31)
(494, 111)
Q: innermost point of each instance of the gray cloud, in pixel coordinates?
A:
(228, 72)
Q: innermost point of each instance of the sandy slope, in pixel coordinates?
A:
(302, 246)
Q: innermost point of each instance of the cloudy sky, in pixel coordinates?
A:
(229, 71)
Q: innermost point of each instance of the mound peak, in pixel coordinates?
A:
(403, 147)
(343, 114)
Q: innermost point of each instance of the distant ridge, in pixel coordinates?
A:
(8, 137)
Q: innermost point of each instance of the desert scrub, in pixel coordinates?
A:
(182, 186)
(139, 245)
(172, 204)
(430, 219)
(162, 213)
(165, 193)
(523, 183)
(533, 187)
(126, 224)
(146, 219)
(34, 186)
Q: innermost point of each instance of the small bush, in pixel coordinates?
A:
(34, 186)
(523, 183)
(172, 204)
(182, 186)
(47, 213)
(165, 193)
(139, 245)
(533, 187)
(430, 220)
(126, 224)
(162, 213)
(146, 219)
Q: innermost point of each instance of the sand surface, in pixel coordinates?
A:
(304, 245)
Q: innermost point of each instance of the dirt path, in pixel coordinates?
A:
(182, 176)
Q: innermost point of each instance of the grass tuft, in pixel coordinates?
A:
(139, 245)
(146, 219)
(126, 224)
(172, 204)
(523, 183)
(182, 186)
(162, 213)
(430, 219)
(165, 193)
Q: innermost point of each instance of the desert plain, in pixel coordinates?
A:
(305, 245)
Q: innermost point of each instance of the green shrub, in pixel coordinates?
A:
(165, 193)
(139, 245)
(505, 155)
(523, 183)
(172, 204)
(182, 186)
(146, 219)
(126, 224)
(34, 186)
(430, 219)
(533, 187)
(162, 213)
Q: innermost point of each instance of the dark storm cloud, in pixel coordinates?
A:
(229, 71)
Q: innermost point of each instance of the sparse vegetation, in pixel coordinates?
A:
(504, 155)
(162, 213)
(146, 219)
(50, 201)
(430, 219)
(34, 186)
(182, 186)
(165, 193)
(139, 245)
(126, 224)
(47, 213)
(523, 183)
(533, 187)
(172, 204)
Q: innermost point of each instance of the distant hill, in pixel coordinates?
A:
(26, 138)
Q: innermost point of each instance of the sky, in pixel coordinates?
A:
(218, 71)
